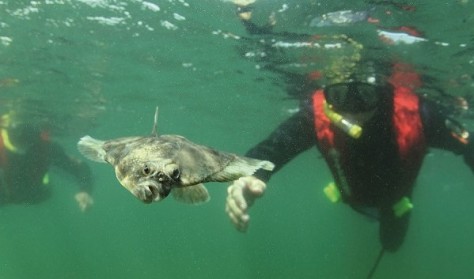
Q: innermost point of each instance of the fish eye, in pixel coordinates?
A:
(176, 173)
(146, 170)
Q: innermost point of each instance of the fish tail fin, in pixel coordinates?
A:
(92, 149)
(242, 166)
(266, 165)
(249, 166)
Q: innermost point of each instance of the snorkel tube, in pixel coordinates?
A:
(353, 130)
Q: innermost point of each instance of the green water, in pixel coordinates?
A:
(100, 68)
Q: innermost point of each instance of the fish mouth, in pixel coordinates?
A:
(151, 192)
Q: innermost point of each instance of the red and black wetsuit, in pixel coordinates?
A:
(372, 167)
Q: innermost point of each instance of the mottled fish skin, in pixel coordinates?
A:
(141, 166)
(150, 167)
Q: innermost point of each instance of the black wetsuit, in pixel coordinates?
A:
(373, 173)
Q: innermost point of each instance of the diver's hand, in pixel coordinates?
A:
(243, 2)
(241, 194)
(84, 200)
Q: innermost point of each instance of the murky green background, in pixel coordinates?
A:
(100, 67)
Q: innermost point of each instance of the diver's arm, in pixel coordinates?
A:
(443, 132)
(77, 168)
(80, 171)
(244, 11)
(292, 137)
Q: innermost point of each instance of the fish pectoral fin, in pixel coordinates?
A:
(241, 166)
(92, 149)
(195, 194)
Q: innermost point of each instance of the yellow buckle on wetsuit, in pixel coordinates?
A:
(402, 207)
(45, 179)
(353, 130)
(332, 192)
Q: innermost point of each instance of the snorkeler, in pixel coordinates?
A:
(373, 131)
(26, 155)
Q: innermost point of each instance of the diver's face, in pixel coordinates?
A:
(354, 97)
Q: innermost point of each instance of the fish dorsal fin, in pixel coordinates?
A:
(154, 131)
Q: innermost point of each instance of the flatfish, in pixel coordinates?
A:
(151, 167)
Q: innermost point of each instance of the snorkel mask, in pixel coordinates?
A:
(354, 96)
(363, 92)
